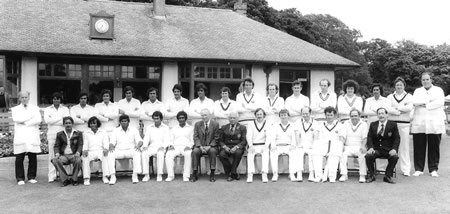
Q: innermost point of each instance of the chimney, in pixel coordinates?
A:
(240, 7)
(159, 9)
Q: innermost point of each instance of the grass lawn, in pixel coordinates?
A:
(422, 194)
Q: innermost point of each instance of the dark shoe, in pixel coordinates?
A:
(193, 178)
(237, 177)
(370, 179)
(75, 183)
(66, 182)
(230, 178)
(388, 179)
(212, 178)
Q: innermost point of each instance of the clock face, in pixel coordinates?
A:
(101, 26)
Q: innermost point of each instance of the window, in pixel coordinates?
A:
(75, 70)
(154, 72)
(127, 72)
(287, 76)
(105, 71)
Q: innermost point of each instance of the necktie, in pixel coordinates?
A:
(206, 132)
(380, 133)
(232, 129)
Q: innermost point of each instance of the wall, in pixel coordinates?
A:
(29, 78)
(259, 77)
(169, 78)
(319, 74)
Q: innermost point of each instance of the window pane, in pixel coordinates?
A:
(141, 72)
(212, 72)
(225, 73)
(60, 70)
(45, 69)
(69, 89)
(237, 73)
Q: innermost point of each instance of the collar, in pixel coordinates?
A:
(162, 125)
(223, 102)
(320, 92)
(150, 102)
(274, 98)
(71, 134)
(245, 93)
(385, 122)
(91, 132)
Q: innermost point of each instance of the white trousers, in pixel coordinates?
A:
(301, 159)
(125, 154)
(51, 155)
(170, 161)
(251, 159)
(403, 150)
(331, 165)
(159, 160)
(95, 155)
(353, 151)
(274, 154)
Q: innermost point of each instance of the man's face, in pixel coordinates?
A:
(128, 95)
(284, 117)
(297, 89)
(376, 91)
(324, 85)
(233, 118)
(225, 95)
(181, 120)
(106, 97)
(426, 81)
(382, 116)
(124, 123)
(157, 120)
(248, 86)
(201, 93)
(205, 115)
(399, 86)
(56, 101)
(350, 90)
(354, 117)
(177, 93)
(24, 98)
(329, 116)
(259, 115)
(152, 96)
(68, 125)
(93, 125)
(305, 114)
(83, 100)
(272, 90)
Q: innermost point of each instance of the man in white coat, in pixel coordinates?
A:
(427, 125)
(53, 116)
(27, 140)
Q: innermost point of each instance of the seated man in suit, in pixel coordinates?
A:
(232, 140)
(95, 147)
(68, 152)
(205, 142)
(383, 141)
(126, 142)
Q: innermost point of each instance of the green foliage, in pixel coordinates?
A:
(7, 147)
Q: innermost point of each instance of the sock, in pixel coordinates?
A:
(212, 171)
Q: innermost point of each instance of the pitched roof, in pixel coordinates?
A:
(62, 27)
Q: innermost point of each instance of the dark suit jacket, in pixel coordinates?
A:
(390, 139)
(238, 138)
(76, 142)
(199, 134)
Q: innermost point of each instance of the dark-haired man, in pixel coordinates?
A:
(81, 113)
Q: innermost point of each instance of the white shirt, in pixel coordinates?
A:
(81, 115)
(429, 119)
(381, 126)
(125, 140)
(345, 104)
(148, 108)
(319, 101)
(305, 131)
(354, 134)
(295, 104)
(95, 141)
(222, 109)
(400, 103)
(273, 106)
(198, 105)
(174, 106)
(257, 133)
(157, 136)
(108, 115)
(372, 105)
(328, 136)
(132, 109)
(68, 150)
(247, 104)
(53, 117)
(282, 135)
(182, 136)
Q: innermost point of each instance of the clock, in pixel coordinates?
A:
(101, 26)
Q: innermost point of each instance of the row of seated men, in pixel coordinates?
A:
(330, 140)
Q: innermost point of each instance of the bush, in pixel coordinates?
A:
(7, 147)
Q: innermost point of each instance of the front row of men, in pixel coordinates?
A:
(328, 140)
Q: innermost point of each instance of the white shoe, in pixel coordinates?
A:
(292, 177)
(105, 180)
(264, 178)
(417, 173)
(317, 180)
(434, 174)
(134, 179)
(146, 178)
(51, 180)
(159, 178)
(300, 176)
(324, 179)
(20, 183)
(275, 177)
(249, 178)
(362, 179)
(332, 180)
(113, 180)
(32, 181)
(169, 179)
(87, 182)
(185, 179)
(311, 176)
(343, 178)
(407, 174)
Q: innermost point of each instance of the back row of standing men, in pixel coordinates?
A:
(426, 105)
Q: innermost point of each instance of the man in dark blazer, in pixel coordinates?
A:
(68, 148)
(232, 139)
(383, 141)
(205, 142)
